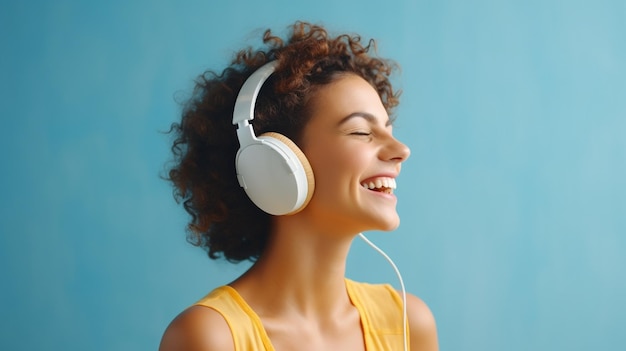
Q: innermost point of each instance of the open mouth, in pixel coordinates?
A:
(382, 185)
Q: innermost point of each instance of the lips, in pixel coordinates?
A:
(380, 184)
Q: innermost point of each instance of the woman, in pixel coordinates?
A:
(329, 99)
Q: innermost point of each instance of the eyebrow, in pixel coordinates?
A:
(367, 116)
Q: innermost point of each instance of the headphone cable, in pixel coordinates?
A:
(404, 317)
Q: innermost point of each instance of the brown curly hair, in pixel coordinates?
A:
(223, 220)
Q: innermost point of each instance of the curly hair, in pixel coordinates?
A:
(224, 221)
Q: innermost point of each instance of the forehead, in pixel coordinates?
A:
(346, 95)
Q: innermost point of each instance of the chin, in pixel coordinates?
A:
(388, 224)
(391, 227)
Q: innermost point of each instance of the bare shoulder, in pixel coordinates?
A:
(197, 329)
(423, 328)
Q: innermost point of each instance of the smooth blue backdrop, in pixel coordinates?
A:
(513, 202)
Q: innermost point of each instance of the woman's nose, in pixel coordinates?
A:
(396, 150)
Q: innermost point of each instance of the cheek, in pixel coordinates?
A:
(338, 168)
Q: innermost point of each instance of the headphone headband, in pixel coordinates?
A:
(244, 106)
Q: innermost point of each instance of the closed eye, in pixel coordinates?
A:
(361, 133)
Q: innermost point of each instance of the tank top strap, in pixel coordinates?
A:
(245, 325)
(380, 307)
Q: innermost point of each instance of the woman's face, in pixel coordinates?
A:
(354, 156)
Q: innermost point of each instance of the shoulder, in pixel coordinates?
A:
(422, 326)
(197, 328)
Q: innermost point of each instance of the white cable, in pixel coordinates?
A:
(404, 318)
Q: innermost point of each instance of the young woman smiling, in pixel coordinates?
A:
(333, 99)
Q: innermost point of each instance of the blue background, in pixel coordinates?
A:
(513, 202)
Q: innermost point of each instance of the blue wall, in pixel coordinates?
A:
(513, 201)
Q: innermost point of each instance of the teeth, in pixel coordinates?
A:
(379, 183)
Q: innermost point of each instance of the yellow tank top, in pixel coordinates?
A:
(379, 306)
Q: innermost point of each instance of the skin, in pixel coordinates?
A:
(297, 286)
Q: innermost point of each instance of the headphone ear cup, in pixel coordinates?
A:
(275, 174)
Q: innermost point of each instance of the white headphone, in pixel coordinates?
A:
(271, 168)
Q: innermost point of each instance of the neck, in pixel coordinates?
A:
(301, 273)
